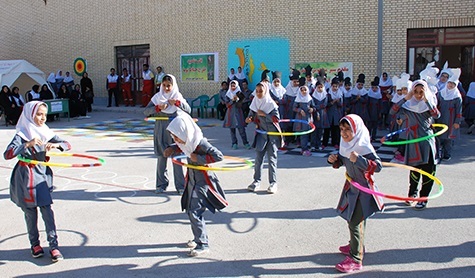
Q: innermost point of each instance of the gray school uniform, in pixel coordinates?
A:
(417, 125)
(202, 190)
(360, 107)
(469, 108)
(350, 195)
(450, 114)
(31, 187)
(334, 112)
(264, 143)
(162, 140)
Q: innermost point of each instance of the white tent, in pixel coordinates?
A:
(21, 74)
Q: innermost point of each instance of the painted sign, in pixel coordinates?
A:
(199, 67)
(256, 55)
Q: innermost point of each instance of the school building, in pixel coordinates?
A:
(200, 40)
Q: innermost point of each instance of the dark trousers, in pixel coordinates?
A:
(415, 177)
(115, 92)
(357, 226)
(31, 219)
(221, 111)
(198, 224)
(335, 133)
(242, 132)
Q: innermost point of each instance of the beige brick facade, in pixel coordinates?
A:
(51, 36)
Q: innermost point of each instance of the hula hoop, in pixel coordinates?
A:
(297, 133)
(152, 119)
(415, 140)
(247, 164)
(75, 165)
(400, 198)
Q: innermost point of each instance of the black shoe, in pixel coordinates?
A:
(108, 106)
(420, 205)
(447, 157)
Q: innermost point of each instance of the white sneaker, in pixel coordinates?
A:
(254, 186)
(272, 188)
(191, 244)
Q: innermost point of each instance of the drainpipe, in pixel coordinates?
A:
(380, 39)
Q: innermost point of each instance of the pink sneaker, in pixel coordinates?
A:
(399, 157)
(306, 153)
(349, 265)
(345, 249)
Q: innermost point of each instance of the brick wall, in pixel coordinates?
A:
(51, 36)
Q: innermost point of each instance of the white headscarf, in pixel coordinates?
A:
(373, 94)
(162, 97)
(335, 95)
(301, 98)
(419, 106)
(291, 90)
(231, 93)
(471, 90)
(266, 103)
(68, 79)
(26, 126)
(51, 78)
(387, 83)
(59, 75)
(355, 91)
(319, 95)
(447, 94)
(183, 127)
(278, 91)
(361, 142)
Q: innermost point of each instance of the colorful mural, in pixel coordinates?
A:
(257, 55)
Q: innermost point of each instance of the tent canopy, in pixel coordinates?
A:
(21, 74)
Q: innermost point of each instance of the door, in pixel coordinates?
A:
(133, 57)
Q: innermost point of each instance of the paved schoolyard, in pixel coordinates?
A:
(110, 223)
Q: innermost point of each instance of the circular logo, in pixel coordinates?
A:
(79, 66)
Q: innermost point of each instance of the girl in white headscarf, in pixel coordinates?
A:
(31, 184)
(265, 115)
(469, 108)
(166, 103)
(449, 102)
(304, 109)
(234, 115)
(361, 161)
(202, 189)
(418, 110)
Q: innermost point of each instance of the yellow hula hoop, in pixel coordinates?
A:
(151, 119)
(247, 164)
(100, 161)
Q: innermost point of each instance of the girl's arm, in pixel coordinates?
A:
(396, 106)
(458, 111)
(369, 163)
(273, 116)
(150, 109)
(212, 154)
(335, 160)
(17, 146)
(296, 107)
(60, 144)
(183, 105)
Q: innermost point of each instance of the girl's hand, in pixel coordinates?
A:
(172, 102)
(163, 106)
(168, 152)
(456, 126)
(353, 156)
(302, 113)
(399, 121)
(332, 158)
(409, 95)
(50, 146)
(194, 157)
(248, 120)
(310, 110)
(261, 113)
(33, 142)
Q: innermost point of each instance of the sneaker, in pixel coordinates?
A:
(410, 203)
(321, 148)
(56, 255)
(345, 249)
(254, 186)
(180, 191)
(336, 147)
(313, 149)
(470, 129)
(159, 190)
(349, 265)
(306, 153)
(399, 157)
(198, 251)
(247, 146)
(234, 147)
(420, 205)
(272, 188)
(447, 157)
(191, 244)
(37, 251)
